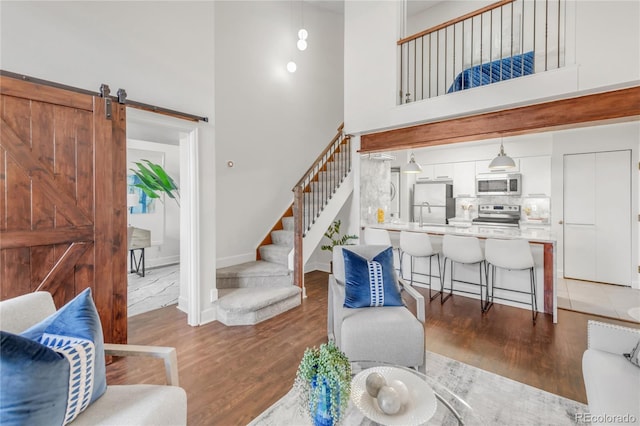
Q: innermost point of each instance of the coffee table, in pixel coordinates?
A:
(450, 410)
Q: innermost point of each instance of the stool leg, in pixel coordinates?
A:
(481, 299)
(431, 297)
(491, 273)
(534, 299)
(444, 274)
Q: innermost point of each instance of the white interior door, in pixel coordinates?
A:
(613, 217)
(597, 216)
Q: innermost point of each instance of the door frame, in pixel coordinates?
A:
(189, 206)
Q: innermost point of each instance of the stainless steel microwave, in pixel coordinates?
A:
(499, 184)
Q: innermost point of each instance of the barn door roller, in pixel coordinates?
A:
(104, 93)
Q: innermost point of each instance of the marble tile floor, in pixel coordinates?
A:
(158, 288)
(606, 300)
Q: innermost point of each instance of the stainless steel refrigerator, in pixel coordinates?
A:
(434, 200)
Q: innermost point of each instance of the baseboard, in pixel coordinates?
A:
(223, 262)
(208, 315)
(183, 304)
(317, 266)
(161, 261)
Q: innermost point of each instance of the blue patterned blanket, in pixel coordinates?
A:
(494, 71)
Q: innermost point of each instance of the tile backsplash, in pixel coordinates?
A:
(534, 209)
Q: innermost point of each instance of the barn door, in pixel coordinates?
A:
(62, 198)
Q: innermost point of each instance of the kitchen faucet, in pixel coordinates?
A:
(428, 211)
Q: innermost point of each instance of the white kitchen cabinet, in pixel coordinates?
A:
(482, 166)
(427, 172)
(464, 179)
(443, 171)
(536, 175)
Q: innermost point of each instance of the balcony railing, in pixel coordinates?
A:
(505, 40)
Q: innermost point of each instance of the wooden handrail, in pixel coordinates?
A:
(455, 21)
(319, 158)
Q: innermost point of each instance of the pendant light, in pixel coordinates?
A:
(412, 166)
(502, 161)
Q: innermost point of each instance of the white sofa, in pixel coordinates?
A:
(611, 381)
(121, 405)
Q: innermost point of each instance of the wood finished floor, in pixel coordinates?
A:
(232, 374)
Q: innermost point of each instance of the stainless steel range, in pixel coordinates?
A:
(498, 215)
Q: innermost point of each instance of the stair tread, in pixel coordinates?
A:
(257, 268)
(251, 299)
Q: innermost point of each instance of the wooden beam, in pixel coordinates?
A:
(40, 237)
(613, 106)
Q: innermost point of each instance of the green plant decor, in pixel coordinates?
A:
(332, 365)
(333, 234)
(154, 181)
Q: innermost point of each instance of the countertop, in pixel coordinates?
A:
(531, 235)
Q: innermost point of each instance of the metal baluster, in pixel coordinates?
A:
(453, 71)
(522, 21)
(546, 34)
(401, 79)
(481, 43)
(446, 45)
(511, 73)
(438, 63)
(534, 29)
(463, 73)
(472, 36)
(422, 67)
(430, 65)
(559, 1)
(491, 45)
(501, 32)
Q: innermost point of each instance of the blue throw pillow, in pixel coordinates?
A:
(370, 282)
(55, 369)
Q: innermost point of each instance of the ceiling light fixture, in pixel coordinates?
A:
(412, 166)
(292, 67)
(502, 161)
(302, 44)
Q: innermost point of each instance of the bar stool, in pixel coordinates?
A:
(381, 237)
(376, 237)
(418, 245)
(511, 255)
(467, 251)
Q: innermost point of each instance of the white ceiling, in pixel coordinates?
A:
(337, 6)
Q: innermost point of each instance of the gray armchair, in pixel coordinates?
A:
(386, 334)
(138, 404)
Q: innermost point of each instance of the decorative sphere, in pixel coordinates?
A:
(303, 34)
(389, 400)
(402, 389)
(302, 44)
(374, 382)
(291, 66)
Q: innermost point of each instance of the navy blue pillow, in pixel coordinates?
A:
(55, 369)
(370, 282)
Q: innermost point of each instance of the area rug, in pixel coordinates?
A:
(494, 399)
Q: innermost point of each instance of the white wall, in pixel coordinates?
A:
(372, 29)
(270, 123)
(160, 52)
(164, 222)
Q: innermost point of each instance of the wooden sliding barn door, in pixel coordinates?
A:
(63, 198)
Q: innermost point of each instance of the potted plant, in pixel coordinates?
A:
(333, 234)
(324, 383)
(155, 181)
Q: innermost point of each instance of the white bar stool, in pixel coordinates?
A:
(418, 245)
(381, 237)
(467, 251)
(511, 255)
(376, 237)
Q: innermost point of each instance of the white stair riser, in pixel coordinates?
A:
(254, 317)
(255, 282)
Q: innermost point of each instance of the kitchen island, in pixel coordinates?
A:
(542, 242)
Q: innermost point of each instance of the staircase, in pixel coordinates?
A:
(252, 292)
(255, 291)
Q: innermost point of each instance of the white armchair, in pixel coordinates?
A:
(138, 404)
(611, 381)
(387, 334)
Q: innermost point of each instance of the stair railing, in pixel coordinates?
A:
(314, 190)
(507, 39)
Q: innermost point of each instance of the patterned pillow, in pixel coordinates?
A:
(370, 282)
(634, 355)
(55, 369)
